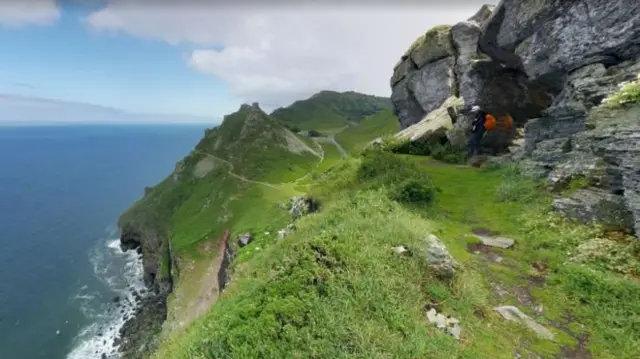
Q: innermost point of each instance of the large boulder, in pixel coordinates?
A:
(547, 39)
(433, 83)
(405, 104)
(434, 125)
(434, 45)
(446, 62)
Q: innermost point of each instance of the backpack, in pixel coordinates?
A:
(507, 122)
(489, 122)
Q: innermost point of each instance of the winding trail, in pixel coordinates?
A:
(233, 174)
(329, 139)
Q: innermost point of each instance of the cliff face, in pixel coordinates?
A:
(583, 50)
(549, 64)
(447, 61)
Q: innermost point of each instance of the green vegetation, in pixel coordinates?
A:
(334, 288)
(429, 37)
(439, 150)
(329, 111)
(259, 147)
(628, 95)
(355, 138)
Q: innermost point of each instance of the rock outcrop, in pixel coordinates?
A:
(139, 332)
(446, 62)
(549, 64)
(580, 51)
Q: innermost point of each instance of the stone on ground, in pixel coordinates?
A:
(244, 239)
(449, 324)
(514, 314)
(498, 242)
(437, 257)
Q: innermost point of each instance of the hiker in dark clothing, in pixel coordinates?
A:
(477, 130)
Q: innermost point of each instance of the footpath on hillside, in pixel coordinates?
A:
(329, 139)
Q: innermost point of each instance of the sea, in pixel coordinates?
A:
(65, 285)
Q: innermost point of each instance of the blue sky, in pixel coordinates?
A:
(69, 62)
(194, 58)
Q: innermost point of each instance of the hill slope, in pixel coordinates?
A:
(355, 138)
(329, 111)
(232, 180)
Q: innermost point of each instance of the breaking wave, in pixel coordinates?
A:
(107, 307)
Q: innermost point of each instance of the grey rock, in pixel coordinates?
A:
(454, 330)
(434, 45)
(450, 325)
(302, 205)
(594, 206)
(244, 239)
(578, 165)
(433, 84)
(434, 126)
(401, 71)
(282, 233)
(400, 249)
(432, 316)
(548, 38)
(483, 14)
(437, 257)
(405, 104)
(514, 314)
(498, 242)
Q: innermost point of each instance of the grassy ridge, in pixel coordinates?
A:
(330, 111)
(355, 138)
(193, 205)
(335, 289)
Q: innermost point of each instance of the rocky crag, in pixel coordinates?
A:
(550, 64)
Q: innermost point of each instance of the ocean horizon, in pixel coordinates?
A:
(65, 285)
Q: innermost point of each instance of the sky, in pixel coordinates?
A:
(197, 60)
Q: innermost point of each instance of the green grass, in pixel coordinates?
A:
(330, 111)
(256, 144)
(355, 138)
(334, 288)
(189, 210)
(628, 95)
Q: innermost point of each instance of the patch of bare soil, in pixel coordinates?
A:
(198, 287)
(579, 352)
(485, 251)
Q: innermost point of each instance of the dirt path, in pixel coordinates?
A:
(231, 173)
(332, 140)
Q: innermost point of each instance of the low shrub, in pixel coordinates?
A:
(412, 191)
(405, 181)
(439, 150)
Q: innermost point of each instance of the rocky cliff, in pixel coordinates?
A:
(549, 64)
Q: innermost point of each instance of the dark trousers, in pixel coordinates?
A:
(474, 143)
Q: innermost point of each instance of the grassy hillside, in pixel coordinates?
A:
(330, 111)
(335, 288)
(355, 138)
(229, 174)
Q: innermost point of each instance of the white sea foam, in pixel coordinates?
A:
(122, 273)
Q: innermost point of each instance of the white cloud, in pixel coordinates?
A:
(18, 13)
(282, 53)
